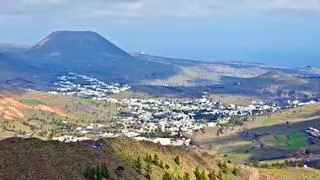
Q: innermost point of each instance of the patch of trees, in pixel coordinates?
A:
(284, 164)
(150, 161)
(145, 166)
(97, 173)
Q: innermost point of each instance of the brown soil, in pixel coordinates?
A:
(12, 109)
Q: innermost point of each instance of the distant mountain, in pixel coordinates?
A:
(75, 46)
(12, 48)
(87, 52)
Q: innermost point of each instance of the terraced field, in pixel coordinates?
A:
(274, 136)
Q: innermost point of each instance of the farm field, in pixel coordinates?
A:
(266, 137)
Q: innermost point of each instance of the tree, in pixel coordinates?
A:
(166, 176)
(212, 175)
(89, 174)
(138, 164)
(199, 175)
(105, 173)
(161, 165)
(177, 160)
(156, 159)
(148, 158)
(148, 170)
(186, 176)
(235, 172)
(98, 173)
(300, 163)
(286, 163)
(197, 172)
(220, 176)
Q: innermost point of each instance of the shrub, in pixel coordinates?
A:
(120, 171)
(212, 175)
(138, 163)
(161, 165)
(105, 173)
(220, 176)
(156, 159)
(199, 175)
(235, 172)
(167, 176)
(148, 158)
(186, 176)
(177, 160)
(97, 173)
(148, 169)
(167, 166)
(300, 163)
(256, 164)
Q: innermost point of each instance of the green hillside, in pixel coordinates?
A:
(117, 158)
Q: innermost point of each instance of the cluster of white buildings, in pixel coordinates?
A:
(313, 132)
(164, 121)
(81, 85)
(174, 116)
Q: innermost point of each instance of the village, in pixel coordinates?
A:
(166, 121)
(82, 85)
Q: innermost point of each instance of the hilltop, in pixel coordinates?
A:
(75, 46)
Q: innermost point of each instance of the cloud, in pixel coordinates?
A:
(66, 10)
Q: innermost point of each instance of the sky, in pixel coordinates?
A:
(274, 32)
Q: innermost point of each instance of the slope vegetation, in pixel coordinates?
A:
(117, 158)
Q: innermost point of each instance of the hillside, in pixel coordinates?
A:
(277, 77)
(117, 158)
(11, 66)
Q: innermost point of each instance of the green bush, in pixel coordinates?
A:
(200, 175)
(212, 175)
(138, 163)
(167, 176)
(156, 159)
(177, 160)
(235, 172)
(186, 176)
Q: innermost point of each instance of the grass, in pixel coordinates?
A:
(289, 142)
(298, 140)
(293, 173)
(31, 102)
(267, 121)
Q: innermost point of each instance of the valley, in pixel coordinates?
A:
(74, 98)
